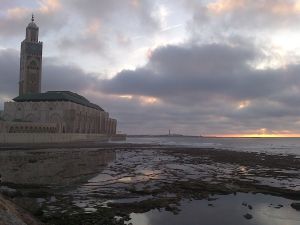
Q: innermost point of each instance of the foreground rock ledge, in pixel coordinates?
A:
(10, 214)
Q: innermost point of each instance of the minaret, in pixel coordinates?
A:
(31, 61)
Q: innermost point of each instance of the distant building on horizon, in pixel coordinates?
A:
(52, 111)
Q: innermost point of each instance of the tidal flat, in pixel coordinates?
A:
(153, 185)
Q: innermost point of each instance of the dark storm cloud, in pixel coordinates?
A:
(64, 77)
(200, 71)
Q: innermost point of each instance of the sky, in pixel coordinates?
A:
(196, 67)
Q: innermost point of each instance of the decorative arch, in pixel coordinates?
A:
(55, 118)
(19, 111)
(30, 117)
(33, 65)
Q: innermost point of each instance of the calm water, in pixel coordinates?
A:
(230, 209)
(53, 167)
(268, 145)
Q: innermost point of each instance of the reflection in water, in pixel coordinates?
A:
(264, 210)
(53, 166)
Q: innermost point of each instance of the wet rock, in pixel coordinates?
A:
(10, 214)
(296, 206)
(9, 192)
(27, 203)
(146, 205)
(100, 217)
(248, 216)
(278, 206)
(175, 210)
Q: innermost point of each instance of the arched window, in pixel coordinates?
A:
(33, 65)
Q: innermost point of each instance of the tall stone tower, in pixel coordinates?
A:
(31, 61)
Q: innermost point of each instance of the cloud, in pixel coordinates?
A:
(208, 83)
(115, 11)
(102, 25)
(245, 15)
(84, 43)
(274, 7)
(15, 18)
(213, 69)
(9, 72)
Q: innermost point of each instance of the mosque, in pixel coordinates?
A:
(52, 111)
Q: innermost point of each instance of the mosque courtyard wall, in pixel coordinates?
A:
(37, 138)
(69, 117)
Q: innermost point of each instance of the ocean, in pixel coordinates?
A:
(266, 145)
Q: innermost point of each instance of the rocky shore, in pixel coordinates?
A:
(147, 177)
(11, 214)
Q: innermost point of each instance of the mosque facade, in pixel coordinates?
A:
(51, 111)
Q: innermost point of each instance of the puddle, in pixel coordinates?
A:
(242, 209)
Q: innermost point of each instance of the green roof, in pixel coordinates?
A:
(51, 96)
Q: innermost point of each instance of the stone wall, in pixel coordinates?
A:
(7, 138)
(71, 117)
(28, 127)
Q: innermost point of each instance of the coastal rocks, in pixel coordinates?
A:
(279, 206)
(296, 206)
(248, 216)
(10, 214)
(99, 217)
(10, 192)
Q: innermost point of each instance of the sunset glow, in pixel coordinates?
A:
(148, 100)
(257, 135)
(243, 104)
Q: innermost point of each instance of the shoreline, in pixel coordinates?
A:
(145, 177)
